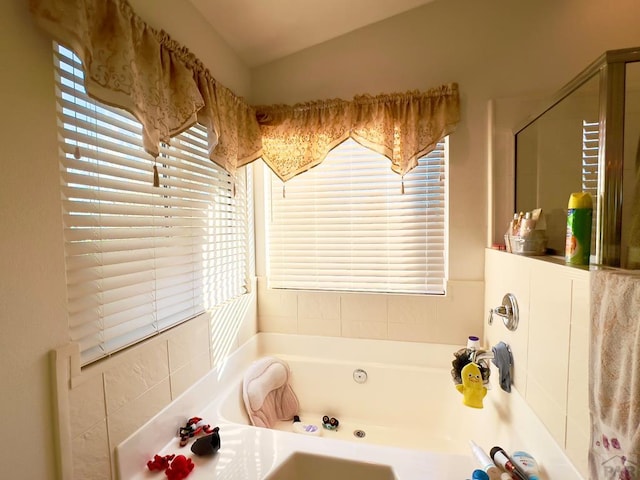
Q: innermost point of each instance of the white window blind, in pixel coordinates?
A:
(140, 258)
(345, 225)
(590, 148)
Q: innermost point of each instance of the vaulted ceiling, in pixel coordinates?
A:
(261, 31)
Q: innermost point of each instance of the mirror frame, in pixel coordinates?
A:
(610, 68)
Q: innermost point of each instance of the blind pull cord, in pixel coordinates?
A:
(156, 177)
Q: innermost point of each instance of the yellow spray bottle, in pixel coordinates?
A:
(579, 216)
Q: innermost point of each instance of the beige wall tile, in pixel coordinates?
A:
(319, 313)
(459, 312)
(412, 332)
(550, 412)
(372, 330)
(228, 323)
(361, 307)
(87, 405)
(577, 445)
(549, 330)
(190, 340)
(327, 327)
(412, 309)
(91, 459)
(249, 323)
(188, 374)
(578, 420)
(578, 391)
(278, 324)
(132, 415)
(136, 373)
(272, 302)
(319, 305)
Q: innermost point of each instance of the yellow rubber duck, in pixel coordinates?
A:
(472, 389)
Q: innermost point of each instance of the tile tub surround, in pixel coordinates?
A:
(100, 405)
(379, 316)
(255, 452)
(550, 346)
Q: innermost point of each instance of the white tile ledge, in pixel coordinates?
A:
(252, 453)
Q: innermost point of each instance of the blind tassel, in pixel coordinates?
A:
(156, 177)
(76, 153)
(284, 191)
(402, 186)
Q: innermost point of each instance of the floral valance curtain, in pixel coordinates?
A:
(402, 127)
(130, 65)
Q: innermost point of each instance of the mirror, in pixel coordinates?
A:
(557, 154)
(631, 170)
(598, 111)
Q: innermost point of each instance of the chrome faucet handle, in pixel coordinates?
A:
(503, 311)
(508, 311)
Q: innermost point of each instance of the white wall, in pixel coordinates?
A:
(32, 283)
(494, 49)
(32, 292)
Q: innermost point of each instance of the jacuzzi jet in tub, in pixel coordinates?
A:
(359, 375)
(359, 433)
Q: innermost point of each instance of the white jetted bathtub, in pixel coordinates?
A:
(407, 415)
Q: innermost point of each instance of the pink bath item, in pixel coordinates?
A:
(267, 395)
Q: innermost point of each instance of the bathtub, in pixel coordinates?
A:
(407, 414)
(398, 405)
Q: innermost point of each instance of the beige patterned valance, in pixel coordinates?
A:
(130, 65)
(402, 127)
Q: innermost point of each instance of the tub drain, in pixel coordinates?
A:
(359, 433)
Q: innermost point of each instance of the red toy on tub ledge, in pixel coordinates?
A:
(159, 463)
(175, 467)
(193, 427)
(180, 467)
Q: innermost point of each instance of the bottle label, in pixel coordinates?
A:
(578, 243)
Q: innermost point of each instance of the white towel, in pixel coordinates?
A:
(614, 375)
(267, 395)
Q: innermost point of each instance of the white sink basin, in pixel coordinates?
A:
(305, 466)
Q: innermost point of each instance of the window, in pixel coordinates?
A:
(346, 225)
(139, 258)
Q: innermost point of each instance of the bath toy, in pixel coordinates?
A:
(207, 445)
(472, 389)
(304, 428)
(180, 468)
(193, 427)
(159, 463)
(330, 423)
